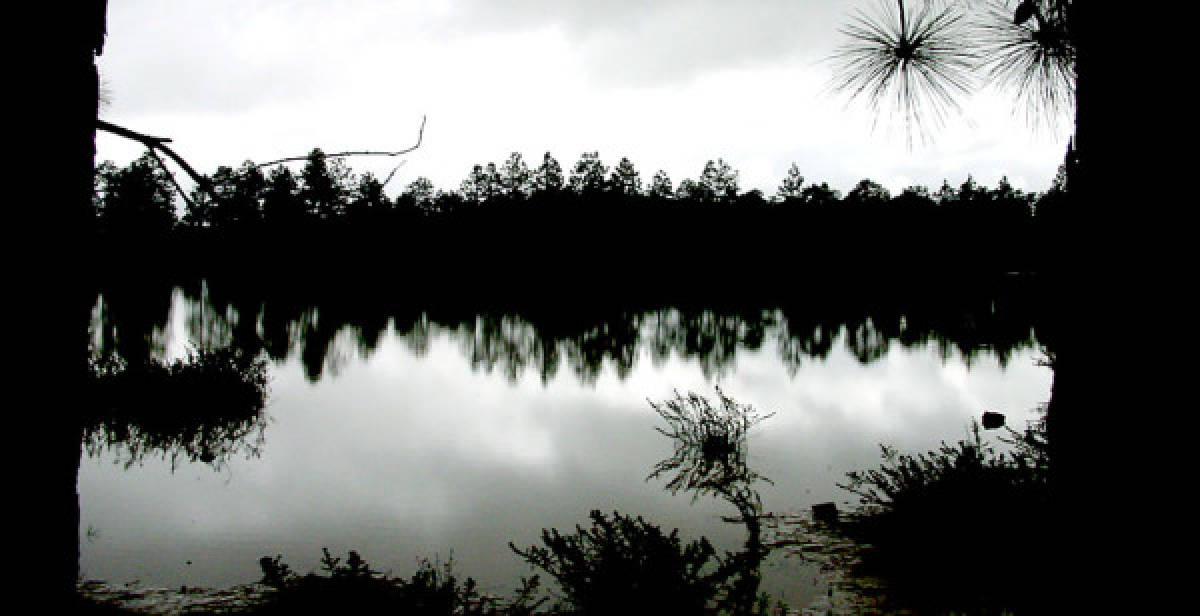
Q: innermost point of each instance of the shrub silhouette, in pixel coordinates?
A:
(624, 563)
(355, 588)
(959, 527)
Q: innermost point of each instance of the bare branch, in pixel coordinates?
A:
(393, 173)
(420, 137)
(153, 143)
(179, 189)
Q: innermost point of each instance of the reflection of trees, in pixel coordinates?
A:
(206, 407)
(323, 324)
(131, 319)
(710, 337)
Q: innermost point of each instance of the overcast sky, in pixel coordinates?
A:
(668, 83)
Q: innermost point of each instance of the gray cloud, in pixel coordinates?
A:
(639, 42)
(669, 83)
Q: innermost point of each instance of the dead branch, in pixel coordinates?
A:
(179, 189)
(160, 143)
(154, 143)
(420, 137)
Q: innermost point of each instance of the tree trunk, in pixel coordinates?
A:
(57, 83)
(1090, 429)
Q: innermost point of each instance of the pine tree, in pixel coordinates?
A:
(324, 185)
(282, 204)
(625, 179)
(588, 176)
(718, 181)
(421, 191)
(493, 186)
(792, 186)
(515, 178)
(549, 175)
(660, 186)
(474, 187)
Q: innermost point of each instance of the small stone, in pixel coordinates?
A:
(992, 420)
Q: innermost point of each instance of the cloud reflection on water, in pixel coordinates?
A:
(405, 455)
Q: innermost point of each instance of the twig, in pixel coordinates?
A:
(420, 137)
(394, 170)
(179, 189)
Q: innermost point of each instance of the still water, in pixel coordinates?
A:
(432, 441)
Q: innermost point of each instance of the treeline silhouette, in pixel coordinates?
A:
(589, 217)
(325, 321)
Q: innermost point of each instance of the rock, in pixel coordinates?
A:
(992, 420)
(825, 512)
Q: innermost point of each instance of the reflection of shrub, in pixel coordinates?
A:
(962, 526)
(711, 457)
(711, 447)
(355, 588)
(627, 564)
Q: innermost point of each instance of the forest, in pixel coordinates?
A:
(589, 214)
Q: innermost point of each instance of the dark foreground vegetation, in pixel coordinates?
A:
(620, 564)
(511, 218)
(962, 528)
(353, 587)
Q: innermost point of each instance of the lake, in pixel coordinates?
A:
(448, 431)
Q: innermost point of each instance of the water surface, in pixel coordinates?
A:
(454, 437)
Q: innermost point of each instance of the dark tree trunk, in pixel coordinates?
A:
(57, 83)
(1093, 416)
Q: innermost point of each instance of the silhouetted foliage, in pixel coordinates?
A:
(919, 57)
(354, 587)
(661, 188)
(548, 178)
(626, 564)
(625, 180)
(963, 527)
(792, 186)
(325, 185)
(137, 200)
(607, 219)
(589, 176)
(718, 182)
(516, 180)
